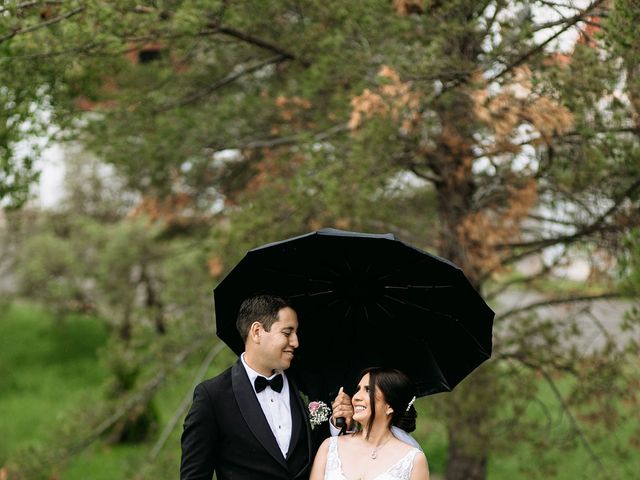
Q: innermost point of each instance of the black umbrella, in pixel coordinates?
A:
(364, 300)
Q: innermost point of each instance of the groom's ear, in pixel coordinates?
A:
(255, 331)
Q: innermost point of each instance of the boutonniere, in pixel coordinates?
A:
(319, 413)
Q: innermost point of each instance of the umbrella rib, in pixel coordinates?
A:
(308, 294)
(422, 287)
(434, 362)
(348, 265)
(475, 340)
(279, 273)
(419, 263)
(445, 315)
(379, 305)
(315, 294)
(346, 315)
(413, 305)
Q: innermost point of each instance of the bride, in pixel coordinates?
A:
(383, 448)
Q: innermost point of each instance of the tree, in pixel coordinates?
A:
(94, 253)
(467, 114)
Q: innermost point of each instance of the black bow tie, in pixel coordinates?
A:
(275, 383)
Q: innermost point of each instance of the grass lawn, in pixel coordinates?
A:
(46, 369)
(50, 368)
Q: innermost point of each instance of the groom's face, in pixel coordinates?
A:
(277, 346)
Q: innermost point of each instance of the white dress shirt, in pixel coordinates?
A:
(275, 406)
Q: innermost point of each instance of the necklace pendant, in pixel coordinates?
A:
(373, 455)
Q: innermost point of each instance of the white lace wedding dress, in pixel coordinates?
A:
(401, 470)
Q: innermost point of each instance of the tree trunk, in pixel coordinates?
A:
(462, 465)
(467, 411)
(153, 302)
(470, 412)
(125, 326)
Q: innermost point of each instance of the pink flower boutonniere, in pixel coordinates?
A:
(319, 413)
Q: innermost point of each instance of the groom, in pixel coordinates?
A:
(249, 423)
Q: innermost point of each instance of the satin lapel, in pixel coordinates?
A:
(252, 412)
(296, 414)
(302, 419)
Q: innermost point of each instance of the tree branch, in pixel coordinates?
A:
(48, 23)
(520, 358)
(520, 281)
(182, 408)
(195, 96)
(572, 420)
(565, 408)
(528, 141)
(39, 56)
(560, 301)
(245, 37)
(140, 397)
(556, 221)
(491, 21)
(127, 40)
(413, 168)
(563, 20)
(290, 140)
(570, 22)
(597, 226)
(634, 130)
(25, 5)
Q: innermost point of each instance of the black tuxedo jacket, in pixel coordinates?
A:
(226, 431)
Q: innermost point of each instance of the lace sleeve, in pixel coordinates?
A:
(333, 469)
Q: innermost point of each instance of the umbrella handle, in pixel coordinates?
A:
(341, 423)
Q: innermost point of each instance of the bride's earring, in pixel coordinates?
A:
(389, 411)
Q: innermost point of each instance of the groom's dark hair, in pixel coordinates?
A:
(259, 308)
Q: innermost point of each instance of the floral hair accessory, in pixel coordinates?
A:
(319, 413)
(411, 403)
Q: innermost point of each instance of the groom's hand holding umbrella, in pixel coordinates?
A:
(342, 411)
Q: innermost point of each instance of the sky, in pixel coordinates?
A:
(51, 165)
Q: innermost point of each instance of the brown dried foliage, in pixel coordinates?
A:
(394, 99)
(291, 110)
(481, 231)
(407, 7)
(326, 219)
(215, 266)
(172, 210)
(274, 166)
(514, 105)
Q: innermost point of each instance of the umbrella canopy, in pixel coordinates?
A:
(364, 300)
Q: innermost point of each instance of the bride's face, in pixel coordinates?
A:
(362, 403)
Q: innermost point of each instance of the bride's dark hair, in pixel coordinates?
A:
(398, 391)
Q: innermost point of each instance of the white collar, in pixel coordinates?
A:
(252, 374)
